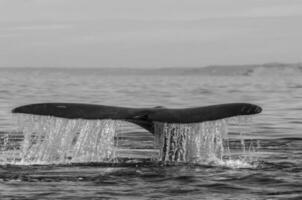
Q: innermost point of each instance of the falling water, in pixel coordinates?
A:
(199, 142)
(49, 140)
(58, 140)
(194, 142)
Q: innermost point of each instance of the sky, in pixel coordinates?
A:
(149, 33)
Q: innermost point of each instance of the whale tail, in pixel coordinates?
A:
(144, 117)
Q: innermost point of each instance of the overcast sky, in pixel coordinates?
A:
(149, 33)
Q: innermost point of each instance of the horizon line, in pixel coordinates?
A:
(150, 68)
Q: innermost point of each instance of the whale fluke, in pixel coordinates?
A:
(144, 117)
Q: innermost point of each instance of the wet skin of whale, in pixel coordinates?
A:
(144, 117)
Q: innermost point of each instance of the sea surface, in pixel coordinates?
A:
(271, 169)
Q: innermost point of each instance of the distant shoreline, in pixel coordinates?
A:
(244, 70)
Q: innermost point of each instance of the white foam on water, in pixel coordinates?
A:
(235, 164)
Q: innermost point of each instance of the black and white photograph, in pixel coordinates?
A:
(151, 99)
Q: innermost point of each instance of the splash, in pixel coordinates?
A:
(51, 140)
(204, 143)
(190, 142)
(57, 140)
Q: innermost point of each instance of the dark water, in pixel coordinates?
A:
(275, 172)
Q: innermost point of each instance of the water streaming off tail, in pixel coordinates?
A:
(57, 140)
(49, 140)
(200, 142)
